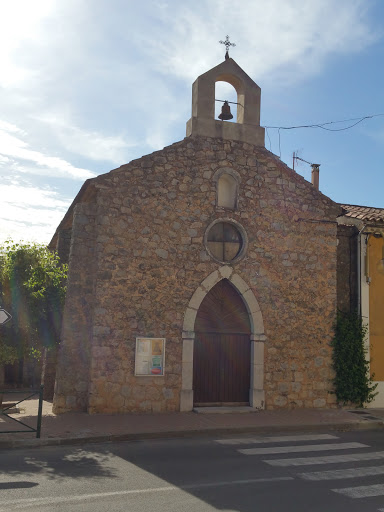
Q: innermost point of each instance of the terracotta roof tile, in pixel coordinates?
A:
(365, 213)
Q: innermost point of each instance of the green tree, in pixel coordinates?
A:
(32, 290)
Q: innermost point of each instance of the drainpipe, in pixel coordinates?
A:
(359, 277)
(315, 175)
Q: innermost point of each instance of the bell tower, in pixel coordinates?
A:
(247, 126)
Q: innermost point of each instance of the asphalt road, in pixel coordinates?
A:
(338, 471)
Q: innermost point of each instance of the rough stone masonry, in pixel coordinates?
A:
(137, 254)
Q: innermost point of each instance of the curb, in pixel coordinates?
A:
(205, 432)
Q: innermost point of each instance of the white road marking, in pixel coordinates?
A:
(364, 491)
(276, 439)
(341, 474)
(330, 459)
(302, 448)
(32, 502)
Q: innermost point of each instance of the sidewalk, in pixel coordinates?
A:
(77, 428)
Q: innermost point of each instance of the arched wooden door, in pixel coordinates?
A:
(222, 359)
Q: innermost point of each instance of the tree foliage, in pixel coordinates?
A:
(32, 290)
(353, 383)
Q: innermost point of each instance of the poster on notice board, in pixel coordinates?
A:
(149, 357)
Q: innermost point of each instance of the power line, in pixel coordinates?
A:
(323, 125)
(269, 138)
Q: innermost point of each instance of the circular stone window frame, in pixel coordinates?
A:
(243, 234)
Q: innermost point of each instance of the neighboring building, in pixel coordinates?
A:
(361, 280)
(214, 245)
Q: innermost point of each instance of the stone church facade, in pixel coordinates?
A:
(217, 247)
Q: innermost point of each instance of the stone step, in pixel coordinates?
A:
(224, 410)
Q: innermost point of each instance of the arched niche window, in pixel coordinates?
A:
(227, 191)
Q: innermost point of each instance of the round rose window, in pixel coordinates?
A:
(224, 241)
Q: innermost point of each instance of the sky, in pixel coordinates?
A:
(89, 85)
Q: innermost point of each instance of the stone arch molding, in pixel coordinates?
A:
(258, 338)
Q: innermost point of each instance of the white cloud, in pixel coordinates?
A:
(19, 22)
(9, 127)
(30, 212)
(89, 144)
(288, 38)
(15, 149)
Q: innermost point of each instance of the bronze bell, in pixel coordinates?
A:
(225, 112)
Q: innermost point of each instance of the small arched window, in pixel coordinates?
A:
(227, 191)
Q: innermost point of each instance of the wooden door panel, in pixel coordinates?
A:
(206, 368)
(235, 367)
(222, 349)
(221, 368)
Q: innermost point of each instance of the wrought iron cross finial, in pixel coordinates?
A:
(227, 44)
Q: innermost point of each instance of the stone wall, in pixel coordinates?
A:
(72, 376)
(63, 244)
(347, 268)
(138, 258)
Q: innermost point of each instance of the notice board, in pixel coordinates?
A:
(149, 357)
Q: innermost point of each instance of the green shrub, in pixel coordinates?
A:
(353, 384)
(32, 290)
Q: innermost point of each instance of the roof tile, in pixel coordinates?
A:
(365, 213)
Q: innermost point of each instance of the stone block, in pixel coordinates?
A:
(257, 352)
(257, 321)
(189, 319)
(187, 375)
(296, 387)
(257, 378)
(186, 400)
(71, 402)
(162, 253)
(226, 271)
(126, 391)
(168, 393)
(258, 337)
(257, 398)
(283, 387)
(190, 335)
(251, 302)
(187, 356)
(197, 298)
(239, 283)
(211, 280)
(280, 401)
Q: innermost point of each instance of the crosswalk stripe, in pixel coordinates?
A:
(363, 491)
(330, 459)
(302, 448)
(341, 474)
(276, 439)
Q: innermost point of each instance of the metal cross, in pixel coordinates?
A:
(227, 44)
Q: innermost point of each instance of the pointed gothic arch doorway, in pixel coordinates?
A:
(222, 348)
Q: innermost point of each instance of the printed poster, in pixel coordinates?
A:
(150, 355)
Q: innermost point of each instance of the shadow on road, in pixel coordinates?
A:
(17, 485)
(64, 463)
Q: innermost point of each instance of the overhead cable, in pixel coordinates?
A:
(323, 125)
